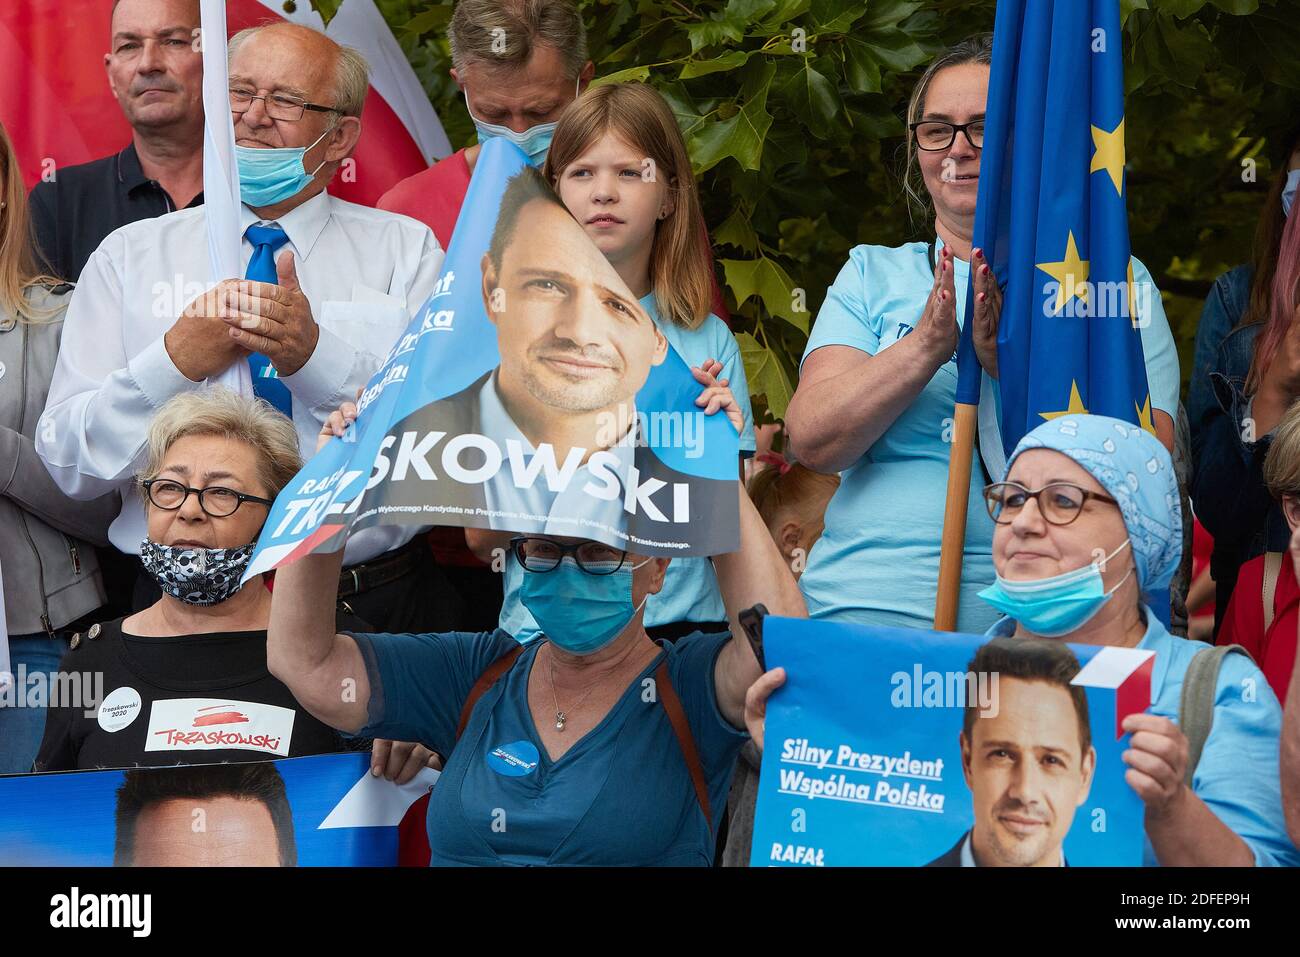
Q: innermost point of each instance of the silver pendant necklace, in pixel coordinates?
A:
(562, 717)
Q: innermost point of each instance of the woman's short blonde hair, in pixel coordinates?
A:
(1282, 463)
(220, 412)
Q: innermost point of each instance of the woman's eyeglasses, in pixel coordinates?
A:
(934, 135)
(215, 500)
(545, 555)
(1060, 502)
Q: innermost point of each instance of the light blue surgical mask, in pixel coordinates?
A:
(579, 612)
(1055, 606)
(1289, 190)
(534, 141)
(270, 176)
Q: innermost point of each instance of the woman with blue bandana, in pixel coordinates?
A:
(1087, 524)
(592, 745)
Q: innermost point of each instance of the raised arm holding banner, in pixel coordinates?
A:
(532, 393)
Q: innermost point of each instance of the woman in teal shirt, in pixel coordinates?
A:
(593, 745)
(879, 377)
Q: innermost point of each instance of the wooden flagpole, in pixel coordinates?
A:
(965, 417)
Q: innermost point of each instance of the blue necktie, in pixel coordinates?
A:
(261, 268)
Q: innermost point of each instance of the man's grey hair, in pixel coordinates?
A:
(351, 76)
(505, 32)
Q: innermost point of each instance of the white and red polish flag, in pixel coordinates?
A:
(58, 109)
(1127, 672)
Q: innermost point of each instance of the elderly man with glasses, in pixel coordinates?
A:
(325, 289)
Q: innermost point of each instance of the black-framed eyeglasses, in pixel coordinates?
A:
(279, 106)
(215, 500)
(544, 555)
(1059, 502)
(935, 135)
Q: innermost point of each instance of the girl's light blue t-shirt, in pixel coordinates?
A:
(690, 591)
(877, 562)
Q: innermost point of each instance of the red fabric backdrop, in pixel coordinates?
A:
(56, 104)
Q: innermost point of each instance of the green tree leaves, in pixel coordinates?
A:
(792, 110)
(740, 136)
(767, 379)
(765, 279)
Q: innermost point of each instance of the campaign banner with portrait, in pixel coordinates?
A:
(533, 393)
(900, 747)
(320, 811)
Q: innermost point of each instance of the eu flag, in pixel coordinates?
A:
(1051, 218)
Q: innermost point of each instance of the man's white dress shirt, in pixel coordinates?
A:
(364, 271)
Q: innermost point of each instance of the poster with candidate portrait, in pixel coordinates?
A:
(908, 748)
(320, 811)
(533, 393)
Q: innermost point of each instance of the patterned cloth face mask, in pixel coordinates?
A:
(196, 576)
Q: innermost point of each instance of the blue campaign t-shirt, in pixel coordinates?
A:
(690, 591)
(877, 562)
(621, 795)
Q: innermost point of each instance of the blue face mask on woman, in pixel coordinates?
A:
(579, 612)
(1055, 606)
(270, 176)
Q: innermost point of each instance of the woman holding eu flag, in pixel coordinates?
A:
(879, 375)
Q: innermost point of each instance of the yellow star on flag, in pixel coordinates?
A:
(1075, 407)
(1144, 415)
(1071, 275)
(1109, 155)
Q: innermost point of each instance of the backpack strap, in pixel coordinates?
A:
(485, 681)
(1196, 706)
(1272, 568)
(682, 729)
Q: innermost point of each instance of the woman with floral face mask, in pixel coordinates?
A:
(591, 745)
(1087, 523)
(184, 681)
